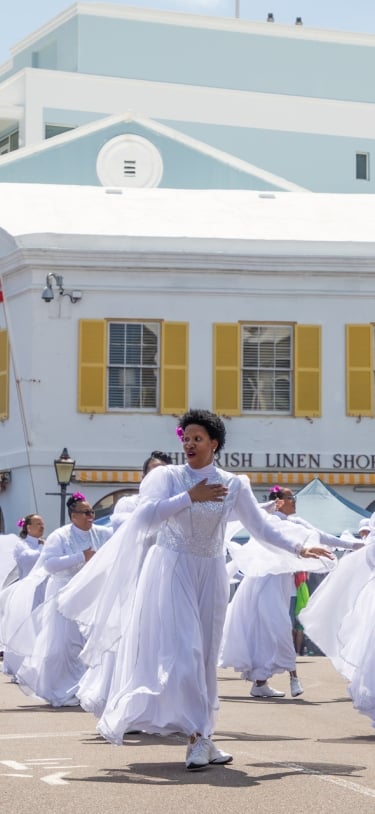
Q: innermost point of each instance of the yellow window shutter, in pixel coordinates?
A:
(92, 359)
(174, 368)
(4, 375)
(359, 370)
(227, 371)
(307, 370)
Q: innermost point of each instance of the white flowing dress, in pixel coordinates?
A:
(340, 619)
(165, 620)
(257, 637)
(26, 554)
(49, 644)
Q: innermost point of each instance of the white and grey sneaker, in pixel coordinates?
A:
(265, 691)
(295, 686)
(217, 756)
(198, 754)
(202, 752)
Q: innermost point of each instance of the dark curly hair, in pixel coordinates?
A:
(211, 422)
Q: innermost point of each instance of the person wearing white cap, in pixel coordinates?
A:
(364, 528)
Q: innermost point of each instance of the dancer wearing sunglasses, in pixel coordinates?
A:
(51, 668)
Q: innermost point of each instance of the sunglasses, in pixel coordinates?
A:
(87, 512)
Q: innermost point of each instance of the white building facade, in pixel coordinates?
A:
(256, 305)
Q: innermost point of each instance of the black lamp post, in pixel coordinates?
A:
(64, 466)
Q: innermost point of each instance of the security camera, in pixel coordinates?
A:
(47, 294)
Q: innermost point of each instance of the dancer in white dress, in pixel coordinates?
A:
(50, 645)
(258, 637)
(340, 619)
(26, 554)
(30, 544)
(165, 676)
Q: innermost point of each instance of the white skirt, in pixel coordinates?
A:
(51, 669)
(340, 618)
(257, 637)
(165, 668)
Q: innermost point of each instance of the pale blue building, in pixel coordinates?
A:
(113, 95)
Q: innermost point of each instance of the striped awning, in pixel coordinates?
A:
(107, 476)
(115, 476)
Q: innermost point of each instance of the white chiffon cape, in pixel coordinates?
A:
(8, 544)
(340, 619)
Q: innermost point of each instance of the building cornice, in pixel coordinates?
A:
(173, 262)
(181, 20)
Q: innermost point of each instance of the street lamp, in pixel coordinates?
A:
(64, 466)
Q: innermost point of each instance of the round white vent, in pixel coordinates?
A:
(129, 161)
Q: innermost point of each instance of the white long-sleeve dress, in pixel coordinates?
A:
(166, 622)
(26, 554)
(257, 636)
(49, 644)
(340, 619)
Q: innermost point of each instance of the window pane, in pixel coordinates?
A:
(266, 368)
(133, 358)
(115, 387)
(362, 173)
(116, 344)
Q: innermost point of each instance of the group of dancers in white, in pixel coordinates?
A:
(132, 621)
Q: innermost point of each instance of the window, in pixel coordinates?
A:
(362, 166)
(51, 130)
(133, 365)
(266, 369)
(9, 143)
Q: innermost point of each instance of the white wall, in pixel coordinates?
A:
(44, 340)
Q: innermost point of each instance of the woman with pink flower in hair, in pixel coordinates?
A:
(26, 554)
(27, 551)
(50, 645)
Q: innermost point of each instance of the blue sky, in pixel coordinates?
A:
(21, 17)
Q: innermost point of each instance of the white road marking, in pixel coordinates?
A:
(45, 760)
(55, 779)
(13, 764)
(337, 781)
(15, 775)
(47, 735)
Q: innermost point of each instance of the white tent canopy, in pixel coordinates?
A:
(327, 510)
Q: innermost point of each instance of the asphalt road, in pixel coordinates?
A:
(310, 754)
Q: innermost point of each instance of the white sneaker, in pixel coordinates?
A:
(218, 756)
(71, 702)
(198, 754)
(203, 752)
(265, 691)
(295, 686)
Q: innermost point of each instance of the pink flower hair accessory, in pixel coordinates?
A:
(276, 488)
(20, 522)
(78, 496)
(180, 433)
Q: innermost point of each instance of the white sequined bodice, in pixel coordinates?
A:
(199, 529)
